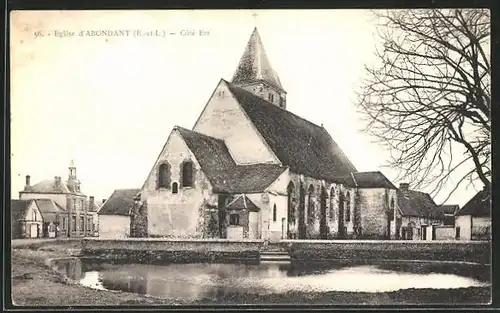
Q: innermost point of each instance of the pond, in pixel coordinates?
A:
(208, 280)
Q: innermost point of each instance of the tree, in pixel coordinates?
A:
(430, 95)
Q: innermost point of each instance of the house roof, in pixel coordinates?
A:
(242, 202)
(418, 204)
(49, 186)
(119, 203)
(49, 209)
(18, 208)
(450, 208)
(221, 170)
(478, 206)
(49, 206)
(303, 146)
(368, 180)
(254, 64)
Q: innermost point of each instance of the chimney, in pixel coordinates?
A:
(91, 203)
(404, 187)
(27, 181)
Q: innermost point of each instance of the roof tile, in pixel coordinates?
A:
(478, 206)
(303, 146)
(221, 170)
(120, 202)
(418, 204)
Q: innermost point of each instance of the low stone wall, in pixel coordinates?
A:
(158, 250)
(450, 251)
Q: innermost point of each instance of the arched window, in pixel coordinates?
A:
(164, 176)
(291, 205)
(332, 204)
(347, 207)
(175, 187)
(310, 203)
(391, 212)
(187, 174)
(274, 213)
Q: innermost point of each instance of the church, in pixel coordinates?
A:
(251, 169)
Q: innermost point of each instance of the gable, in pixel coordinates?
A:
(305, 147)
(224, 119)
(174, 152)
(32, 207)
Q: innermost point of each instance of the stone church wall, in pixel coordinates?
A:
(312, 226)
(374, 208)
(178, 215)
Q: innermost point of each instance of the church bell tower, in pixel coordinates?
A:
(255, 74)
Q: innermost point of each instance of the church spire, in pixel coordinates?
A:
(254, 72)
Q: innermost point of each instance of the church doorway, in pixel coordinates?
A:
(302, 212)
(323, 230)
(341, 233)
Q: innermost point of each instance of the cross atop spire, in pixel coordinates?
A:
(254, 65)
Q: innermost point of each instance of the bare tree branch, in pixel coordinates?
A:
(430, 95)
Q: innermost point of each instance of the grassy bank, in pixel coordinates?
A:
(35, 283)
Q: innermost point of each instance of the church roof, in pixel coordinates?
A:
(120, 202)
(478, 206)
(254, 64)
(303, 146)
(368, 180)
(223, 173)
(418, 204)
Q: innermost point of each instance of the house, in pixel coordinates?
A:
(54, 217)
(76, 220)
(473, 220)
(250, 168)
(449, 211)
(27, 221)
(114, 214)
(417, 215)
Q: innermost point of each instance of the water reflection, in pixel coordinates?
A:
(200, 280)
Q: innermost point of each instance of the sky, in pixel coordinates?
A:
(110, 102)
